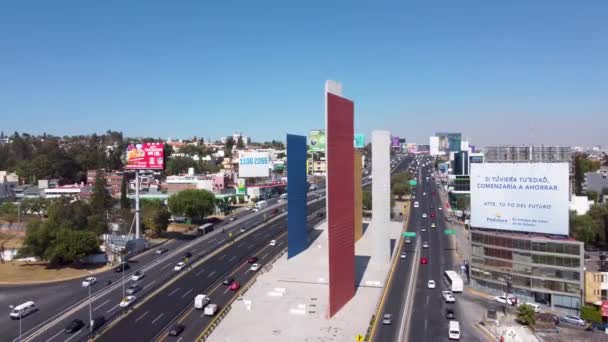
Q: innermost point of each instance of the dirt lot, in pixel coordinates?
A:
(22, 272)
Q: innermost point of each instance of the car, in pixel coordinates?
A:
(138, 275)
(133, 289)
(505, 300)
(403, 255)
(161, 251)
(255, 210)
(440, 208)
(450, 314)
(273, 242)
(599, 326)
(423, 229)
(424, 261)
(232, 218)
(425, 244)
(433, 225)
(177, 329)
(424, 194)
(408, 240)
(430, 284)
(74, 326)
(416, 204)
(89, 281)
(424, 215)
(573, 320)
(448, 296)
(228, 281)
(180, 266)
(122, 267)
(127, 301)
(433, 214)
(235, 286)
(255, 267)
(387, 319)
(243, 229)
(97, 322)
(187, 255)
(252, 259)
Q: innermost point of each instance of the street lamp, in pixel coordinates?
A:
(90, 311)
(20, 317)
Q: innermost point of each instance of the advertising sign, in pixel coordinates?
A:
(449, 142)
(528, 197)
(316, 141)
(434, 142)
(359, 140)
(241, 186)
(145, 156)
(412, 148)
(253, 164)
(395, 142)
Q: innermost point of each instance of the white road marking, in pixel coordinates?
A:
(211, 274)
(425, 323)
(142, 316)
(57, 334)
(200, 272)
(74, 334)
(251, 246)
(185, 294)
(179, 339)
(267, 236)
(427, 300)
(212, 240)
(202, 252)
(241, 244)
(221, 257)
(167, 265)
(222, 240)
(100, 305)
(194, 250)
(157, 318)
(265, 255)
(172, 292)
(279, 243)
(112, 309)
(150, 284)
(233, 257)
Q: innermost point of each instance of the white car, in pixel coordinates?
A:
(448, 296)
(573, 320)
(416, 204)
(440, 208)
(273, 242)
(89, 281)
(180, 266)
(424, 215)
(423, 229)
(431, 284)
(137, 275)
(255, 267)
(127, 301)
(403, 255)
(504, 300)
(425, 244)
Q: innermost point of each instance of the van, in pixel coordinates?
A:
(23, 310)
(283, 196)
(454, 330)
(200, 301)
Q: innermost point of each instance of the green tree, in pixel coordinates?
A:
(583, 165)
(583, 228)
(228, 147)
(526, 315)
(71, 246)
(125, 203)
(366, 197)
(463, 202)
(8, 212)
(35, 205)
(400, 189)
(599, 214)
(400, 177)
(38, 239)
(101, 200)
(155, 217)
(179, 165)
(195, 204)
(593, 196)
(239, 143)
(591, 314)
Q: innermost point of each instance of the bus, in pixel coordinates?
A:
(453, 281)
(206, 228)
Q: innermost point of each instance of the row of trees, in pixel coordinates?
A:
(400, 184)
(591, 228)
(180, 165)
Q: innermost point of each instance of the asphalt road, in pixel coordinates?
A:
(148, 320)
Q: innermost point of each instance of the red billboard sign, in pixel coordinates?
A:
(145, 156)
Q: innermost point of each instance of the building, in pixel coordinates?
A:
(596, 287)
(79, 191)
(113, 180)
(8, 182)
(544, 269)
(595, 181)
(527, 153)
(176, 184)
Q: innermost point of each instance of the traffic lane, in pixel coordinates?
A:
(196, 322)
(163, 308)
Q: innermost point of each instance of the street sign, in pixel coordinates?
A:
(449, 232)
(409, 234)
(413, 182)
(359, 338)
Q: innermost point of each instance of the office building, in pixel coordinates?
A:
(527, 153)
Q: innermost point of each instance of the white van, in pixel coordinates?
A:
(454, 330)
(23, 310)
(283, 196)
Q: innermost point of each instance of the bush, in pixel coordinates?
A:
(525, 315)
(591, 314)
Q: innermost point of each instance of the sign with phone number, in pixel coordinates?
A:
(254, 164)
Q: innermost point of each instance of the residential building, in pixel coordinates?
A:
(79, 191)
(595, 181)
(179, 183)
(596, 287)
(527, 153)
(543, 269)
(113, 180)
(8, 182)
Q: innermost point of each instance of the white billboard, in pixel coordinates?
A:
(529, 197)
(254, 164)
(434, 144)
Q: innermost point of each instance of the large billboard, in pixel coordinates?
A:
(145, 156)
(395, 142)
(253, 164)
(316, 141)
(529, 197)
(434, 145)
(449, 142)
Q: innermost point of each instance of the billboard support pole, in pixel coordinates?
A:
(137, 204)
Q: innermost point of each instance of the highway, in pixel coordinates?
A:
(147, 320)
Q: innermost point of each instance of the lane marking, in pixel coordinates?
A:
(427, 300)
(267, 236)
(100, 305)
(172, 292)
(211, 274)
(167, 265)
(150, 284)
(57, 334)
(251, 246)
(112, 309)
(157, 318)
(264, 256)
(200, 272)
(233, 257)
(222, 257)
(212, 240)
(185, 294)
(222, 240)
(241, 244)
(194, 250)
(73, 335)
(142, 316)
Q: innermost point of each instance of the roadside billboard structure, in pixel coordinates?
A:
(526, 197)
(241, 189)
(145, 156)
(316, 141)
(449, 142)
(254, 164)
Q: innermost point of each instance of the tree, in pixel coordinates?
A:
(195, 204)
(190, 150)
(583, 165)
(593, 196)
(239, 143)
(591, 314)
(463, 202)
(599, 214)
(228, 147)
(125, 203)
(367, 200)
(155, 217)
(583, 228)
(179, 165)
(400, 189)
(526, 315)
(35, 205)
(8, 212)
(38, 239)
(71, 246)
(101, 200)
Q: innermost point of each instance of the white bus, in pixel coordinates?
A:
(453, 281)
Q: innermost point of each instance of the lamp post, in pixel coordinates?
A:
(508, 280)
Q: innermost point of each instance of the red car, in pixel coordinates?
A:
(432, 214)
(424, 261)
(252, 260)
(235, 286)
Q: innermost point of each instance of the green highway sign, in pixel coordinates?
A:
(449, 232)
(409, 234)
(413, 182)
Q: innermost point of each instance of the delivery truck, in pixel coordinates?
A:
(200, 301)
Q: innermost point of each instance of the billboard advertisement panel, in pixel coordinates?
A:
(145, 156)
(316, 141)
(412, 148)
(241, 186)
(434, 145)
(359, 140)
(253, 164)
(395, 142)
(449, 142)
(528, 197)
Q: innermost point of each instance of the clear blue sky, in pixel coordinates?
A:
(498, 71)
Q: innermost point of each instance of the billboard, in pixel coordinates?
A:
(449, 142)
(412, 148)
(359, 140)
(145, 156)
(529, 197)
(395, 142)
(253, 164)
(434, 145)
(316, 141)
(241, 186)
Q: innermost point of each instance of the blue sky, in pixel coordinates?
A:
(498, 71)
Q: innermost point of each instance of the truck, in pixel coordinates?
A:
(261, 204)
(211, 309)
(200, 301)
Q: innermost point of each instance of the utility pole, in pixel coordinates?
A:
(137, 204)
(508, 279)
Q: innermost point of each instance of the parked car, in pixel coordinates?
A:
(89, 281)
(74, 326)
(573, 320)
(505, 300)
(177, 329)
(228, 281)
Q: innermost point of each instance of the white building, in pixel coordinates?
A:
(74, 190)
